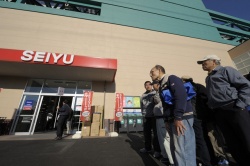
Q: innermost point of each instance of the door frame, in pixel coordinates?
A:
(18, 115)
(36, 111)
(40, 104)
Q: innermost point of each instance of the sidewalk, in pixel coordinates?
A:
(43, 150)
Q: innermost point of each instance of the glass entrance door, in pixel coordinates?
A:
(47, 112)
(25, 120)
(38, 108)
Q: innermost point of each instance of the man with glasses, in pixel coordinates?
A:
(228, 96)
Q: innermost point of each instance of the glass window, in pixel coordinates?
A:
(83, 86)
(247, 62)
(248, 69)
(237, 60)
(70, 87)
(240, 65)
(29, 104)
(244, 56)
(34, 85)
(51, 86)
(76, 123)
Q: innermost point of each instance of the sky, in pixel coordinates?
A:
(236, 8)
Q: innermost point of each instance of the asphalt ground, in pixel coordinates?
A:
(43, 150)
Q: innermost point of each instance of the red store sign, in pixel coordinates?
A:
(39, 57)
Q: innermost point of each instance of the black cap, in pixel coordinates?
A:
(154, 82)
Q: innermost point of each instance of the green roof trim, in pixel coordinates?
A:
(185, 18)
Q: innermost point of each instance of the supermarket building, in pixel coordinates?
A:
(107, 47)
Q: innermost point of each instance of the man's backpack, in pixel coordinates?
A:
(168, 98)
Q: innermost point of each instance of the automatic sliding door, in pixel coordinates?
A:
(46, 114)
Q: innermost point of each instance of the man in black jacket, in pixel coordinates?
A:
(64, 112)
(149, 122)
(201, 112)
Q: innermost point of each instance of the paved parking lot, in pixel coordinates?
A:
(42, 150)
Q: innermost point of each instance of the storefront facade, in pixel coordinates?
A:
(87, 54)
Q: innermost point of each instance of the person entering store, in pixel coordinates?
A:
(64, 113)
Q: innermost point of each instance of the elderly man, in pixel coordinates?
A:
(228, 96)
(178, 114)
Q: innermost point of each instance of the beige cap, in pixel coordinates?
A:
(211, 57)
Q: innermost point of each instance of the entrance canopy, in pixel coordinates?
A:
(34, 64)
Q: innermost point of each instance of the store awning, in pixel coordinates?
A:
(34, 64)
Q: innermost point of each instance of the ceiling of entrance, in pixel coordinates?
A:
(56, 72)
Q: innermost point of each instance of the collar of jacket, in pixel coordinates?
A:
(149, 91)
(215, 70)
(163, 80)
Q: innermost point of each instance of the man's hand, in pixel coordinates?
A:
(179, 127)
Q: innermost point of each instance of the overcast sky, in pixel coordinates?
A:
(236, 8)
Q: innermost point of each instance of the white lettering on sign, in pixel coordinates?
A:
(39, 56)
(46, 57)
(56, 57)
(27, 55)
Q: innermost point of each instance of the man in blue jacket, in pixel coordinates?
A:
(229, 96)
(178, 116)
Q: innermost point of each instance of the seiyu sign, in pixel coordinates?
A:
(47, 57)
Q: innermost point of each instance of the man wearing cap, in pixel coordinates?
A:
(229, 95)
(178, 114)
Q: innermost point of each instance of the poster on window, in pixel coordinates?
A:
(131, 102)
(28, 105)
(86, 106)
(119, 106)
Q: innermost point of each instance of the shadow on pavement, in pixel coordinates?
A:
(136, 142)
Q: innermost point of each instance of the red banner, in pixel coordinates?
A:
(119, 106)
(86, 106)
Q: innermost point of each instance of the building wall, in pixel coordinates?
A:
(10, 95)
(241, 49)
(136, 50)
(241, 57)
